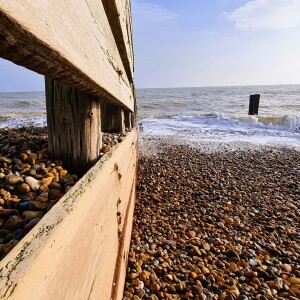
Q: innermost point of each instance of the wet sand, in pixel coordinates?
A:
(220, 225)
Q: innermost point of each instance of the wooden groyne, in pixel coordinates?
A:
(84, 50)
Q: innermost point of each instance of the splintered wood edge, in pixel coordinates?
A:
(14, 265)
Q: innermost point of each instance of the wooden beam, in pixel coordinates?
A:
(80, 245)
(119, 17)
(70, 42)
(122, 261)
(74, 126)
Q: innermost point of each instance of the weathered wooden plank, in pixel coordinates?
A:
(74, 126)
(122, 261)
(72, 252)
(119, 16)
(70, 42)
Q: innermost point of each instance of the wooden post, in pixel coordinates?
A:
(128, 119)
(133, 119)
(113, 119)
(254, 104)
(74, 126)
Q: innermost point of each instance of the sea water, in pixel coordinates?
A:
(22, 109)
(200, 115)
(220, 114)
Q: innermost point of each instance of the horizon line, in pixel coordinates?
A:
(211, 86)
(175, 87)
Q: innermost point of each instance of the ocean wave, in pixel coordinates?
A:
(216, 126)
(27, 103)
(283, 123)
(16, 122)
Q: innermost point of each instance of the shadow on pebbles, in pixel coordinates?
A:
(223, 225)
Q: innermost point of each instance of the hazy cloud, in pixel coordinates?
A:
(153, 12)
(266, 15)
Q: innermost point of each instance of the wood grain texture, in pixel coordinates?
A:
(128, 119)
(112, 118)
(119, 17)
(73, 252)
(70, 42)
(74, 126)
(122, 261)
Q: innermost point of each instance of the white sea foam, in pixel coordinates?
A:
(263, 130)
(284, 123)
(22, 121)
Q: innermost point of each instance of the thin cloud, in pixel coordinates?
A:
(266, 15)
(153, 12)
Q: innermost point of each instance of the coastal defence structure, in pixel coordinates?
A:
(84, 49)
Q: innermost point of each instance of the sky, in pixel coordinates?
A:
(203, 43)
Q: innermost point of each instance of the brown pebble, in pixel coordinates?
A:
(152, 297)
(180, 286)
(196, 250)
(132, 276)
(32, 214)
(105, 149)
(193, 275)
(171, 289)
(23, 157)
(286, 267)
(63, 173)
(48, 174)
(23, 188)
(155, 287)
(206, 247)
(233, 290)
(43, 188)
(251, 274)
(31, 160)
(188, 295)
(228, 220)
(192, 234)
(55, 185)
(42, 199)
(38, 176)
(293, 280)
(14, 179)
(128, 295)
(46, 181)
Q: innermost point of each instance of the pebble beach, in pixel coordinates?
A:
(216, 225)
(218, 197)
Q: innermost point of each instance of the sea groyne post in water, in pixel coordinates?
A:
(254, 104)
